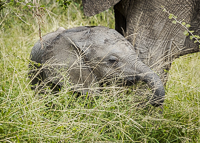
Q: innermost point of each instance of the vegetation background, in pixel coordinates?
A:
(112, 116)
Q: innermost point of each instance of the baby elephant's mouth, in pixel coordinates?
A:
(131, 80)
(120, 81)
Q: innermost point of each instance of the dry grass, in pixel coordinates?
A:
(112, 116)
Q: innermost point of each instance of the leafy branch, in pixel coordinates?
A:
(187, 32)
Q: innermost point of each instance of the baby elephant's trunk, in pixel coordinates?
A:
(154, 82)
(156, 85)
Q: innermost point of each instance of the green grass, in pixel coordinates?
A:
(111, 116)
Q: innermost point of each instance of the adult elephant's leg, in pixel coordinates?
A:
(120, 22)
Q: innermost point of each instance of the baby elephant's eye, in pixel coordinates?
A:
(113, 59)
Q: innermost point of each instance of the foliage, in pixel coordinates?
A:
(115, 115)
(65, 3)
(187, 32)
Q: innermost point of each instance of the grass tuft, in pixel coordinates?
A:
(112, 116)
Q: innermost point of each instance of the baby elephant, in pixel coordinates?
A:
(85, 55)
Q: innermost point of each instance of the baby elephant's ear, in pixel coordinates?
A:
(92, 7)
(80, 40)
(62, 61)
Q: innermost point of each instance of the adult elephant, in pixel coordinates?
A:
(144, 23)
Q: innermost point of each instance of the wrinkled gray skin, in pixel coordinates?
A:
(156, 39)
(90, 54)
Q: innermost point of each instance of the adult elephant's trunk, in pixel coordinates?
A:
(154, 82)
